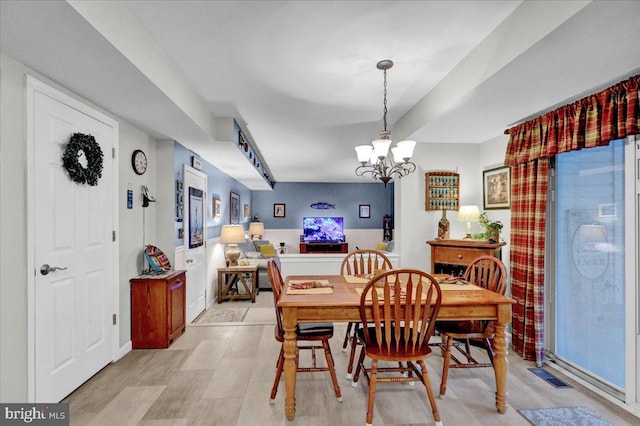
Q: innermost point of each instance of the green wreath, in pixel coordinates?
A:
(81, 144)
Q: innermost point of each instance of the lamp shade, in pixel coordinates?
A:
(256, 228)
(468, 214)
(232, 234)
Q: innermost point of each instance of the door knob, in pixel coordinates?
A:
(189, 260)
(45, 269)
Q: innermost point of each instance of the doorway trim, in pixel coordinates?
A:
(34, 85)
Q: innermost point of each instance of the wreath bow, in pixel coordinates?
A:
(84, 147)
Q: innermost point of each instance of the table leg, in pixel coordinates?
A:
(500, 362)
(289, 323)
(220, 278)
(254, 286)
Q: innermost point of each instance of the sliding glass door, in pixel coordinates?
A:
(588, 292)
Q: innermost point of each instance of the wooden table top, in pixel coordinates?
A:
(346, 295)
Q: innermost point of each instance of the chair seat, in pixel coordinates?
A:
(397, 350)
(309, 331)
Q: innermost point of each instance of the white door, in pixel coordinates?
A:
(72, 308)
(195, 238)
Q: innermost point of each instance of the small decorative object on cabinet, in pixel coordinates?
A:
(443, 226)
(442, 191)
(157, 309)
(453, 256)
(386, 226)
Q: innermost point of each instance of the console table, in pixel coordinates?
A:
(157, 309)
(324, 247)
(453, 256)
(231, 276)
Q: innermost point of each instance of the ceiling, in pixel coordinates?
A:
(300, 77)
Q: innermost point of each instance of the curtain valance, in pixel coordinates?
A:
(613, 113)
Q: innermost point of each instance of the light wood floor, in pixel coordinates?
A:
(222, 374)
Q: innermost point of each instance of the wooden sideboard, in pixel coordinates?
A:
(453, 256)
(157, 309)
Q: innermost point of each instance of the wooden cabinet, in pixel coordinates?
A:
(324, 247)
(453, 256)
(442, 191)
(157, 309)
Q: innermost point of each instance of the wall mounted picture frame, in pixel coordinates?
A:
(234, 208)
(496, 188)
(364, 211)
(196, 227)
(246, 211)
(217, 208)
(279, 210)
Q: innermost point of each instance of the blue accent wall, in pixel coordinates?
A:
(219, 185)
(347, 197)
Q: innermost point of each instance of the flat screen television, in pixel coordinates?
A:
(323, 229)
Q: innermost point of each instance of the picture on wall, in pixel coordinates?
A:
(234, 211)
(196, 231)
(246, 211)
(496, 185)
(364, 211)
(279, 210)
(217, 208)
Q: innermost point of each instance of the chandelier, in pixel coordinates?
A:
(374, 158)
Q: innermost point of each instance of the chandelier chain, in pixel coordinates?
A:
(384, 113)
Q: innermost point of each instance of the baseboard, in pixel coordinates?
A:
(125, 349)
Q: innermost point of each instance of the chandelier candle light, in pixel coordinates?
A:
(374, 158)
(468, 214)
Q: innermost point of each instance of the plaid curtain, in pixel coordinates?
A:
(593, 121)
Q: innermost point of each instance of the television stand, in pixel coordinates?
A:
(324, 247)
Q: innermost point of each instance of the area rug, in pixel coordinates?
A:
(223, 314)
(563, 416)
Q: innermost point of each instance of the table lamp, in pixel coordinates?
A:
(468, 214)
(256, 230)
(232, 235)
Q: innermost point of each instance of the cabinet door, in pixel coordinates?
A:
(177, 294)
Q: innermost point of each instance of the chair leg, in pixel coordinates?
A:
(372, 391)
(359, 367)
(427, 385)
(352, 352)
(347, 337)
(279, 368)
(445, 367)
(332, 370)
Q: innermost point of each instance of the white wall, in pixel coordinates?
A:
(13, 226)
(414, 226)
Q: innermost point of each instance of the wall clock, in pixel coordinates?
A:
(139, 161)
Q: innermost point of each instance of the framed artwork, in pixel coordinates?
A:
(196, 163)
(196, 230)
(246, 211)
(496, 188)
(279, 210)
(217, 208)
(364, 211)
(234, 208)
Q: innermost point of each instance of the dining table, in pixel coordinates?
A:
(460, 301)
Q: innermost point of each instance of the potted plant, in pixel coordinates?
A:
(491, 229)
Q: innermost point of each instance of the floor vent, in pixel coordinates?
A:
(550, 378)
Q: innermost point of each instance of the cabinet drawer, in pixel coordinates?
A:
(457, 255)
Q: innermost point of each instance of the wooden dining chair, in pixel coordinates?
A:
(314, 335)
(360, 262)
(400, 309)
(488, 272)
